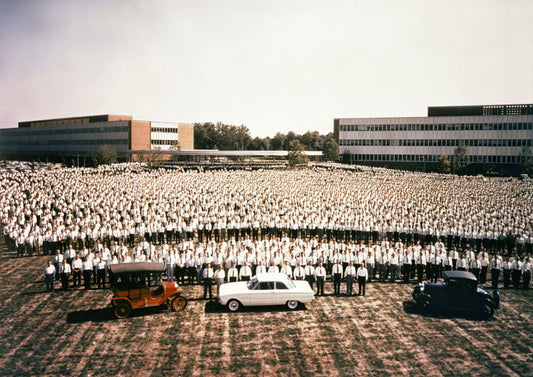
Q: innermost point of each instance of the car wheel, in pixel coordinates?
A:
(122, 309)
(487, 310)
(178, 303)
(292, 304)
(234, 305)
(424, 304)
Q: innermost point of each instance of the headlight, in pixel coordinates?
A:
(421, 285)
(176, 285)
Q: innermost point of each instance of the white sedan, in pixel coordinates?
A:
(265, 289)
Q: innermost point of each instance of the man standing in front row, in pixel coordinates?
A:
(362, 277)
(320, 276)
(64, 272)
(349, 273)
(208, 275)
(49, 276)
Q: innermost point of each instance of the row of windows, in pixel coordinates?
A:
(437, 143)
(164, 142)
(437, 127)
(66, 131)
(74, 142)
(433, 158)
(165, 129)
(60, 122)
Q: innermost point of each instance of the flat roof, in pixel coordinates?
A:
(75, 120)
(218, 153)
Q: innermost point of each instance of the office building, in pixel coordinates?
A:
(79, 138)
(494, 137)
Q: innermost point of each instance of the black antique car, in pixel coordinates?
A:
(458, 293)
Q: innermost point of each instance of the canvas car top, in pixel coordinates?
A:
(459, 275)
(137, 267)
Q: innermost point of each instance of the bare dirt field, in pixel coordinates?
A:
(74, 333)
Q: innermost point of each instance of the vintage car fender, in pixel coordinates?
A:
(424, 302)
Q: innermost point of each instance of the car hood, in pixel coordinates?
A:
(433, 287)
(233, 288)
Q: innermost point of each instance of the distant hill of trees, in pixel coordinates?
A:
(228, 137)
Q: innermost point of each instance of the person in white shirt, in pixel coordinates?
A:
(208, 275)
(495, 269)
(349, 274)
(299, 272)
(65, 271)
(362, 277)
(101, 268)
(220, 277)
(507, 268)
(245, 273)
(49, 275)
(273, 268)
(320, 276)
(286, 269)
(87, 272)
(337, 277)
(233, 274)
(309, 271)
(77, 266)
(260, 268)
(516, 272)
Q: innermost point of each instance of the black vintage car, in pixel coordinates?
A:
(458, 293)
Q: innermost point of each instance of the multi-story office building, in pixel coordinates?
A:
(81, 137)
(493, 135)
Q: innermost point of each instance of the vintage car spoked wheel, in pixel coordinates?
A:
(234, 305)
(178, 303)
(292, 304)
(122, 309)
(487, 310)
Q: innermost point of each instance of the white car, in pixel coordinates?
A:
(265, 289)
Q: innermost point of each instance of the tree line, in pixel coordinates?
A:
(229, 137)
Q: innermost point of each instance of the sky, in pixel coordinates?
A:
(273, 66)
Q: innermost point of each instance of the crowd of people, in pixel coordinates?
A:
(398, 225)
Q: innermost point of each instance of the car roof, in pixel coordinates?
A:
(137, 267)
(465, 275)
(271, 276)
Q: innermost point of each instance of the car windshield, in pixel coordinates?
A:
(290, 283)
(252, 284)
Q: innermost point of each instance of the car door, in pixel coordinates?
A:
(283, 293)
(263, 294)
(458, 296)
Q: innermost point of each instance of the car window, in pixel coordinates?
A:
(280, 285)
(264, 285)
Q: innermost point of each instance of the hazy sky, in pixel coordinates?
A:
(274, 66)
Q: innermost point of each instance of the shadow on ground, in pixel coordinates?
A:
(107, 314)
(215, 307)
(410, 307)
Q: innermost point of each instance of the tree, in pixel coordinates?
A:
(526, 161)
(296, 154)
(153, 159)
(330, 150)
(106, 155)
(278, 141)
(460, 158)
(346, 157)
(444, 164)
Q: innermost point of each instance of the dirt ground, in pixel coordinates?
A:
(74, 333)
